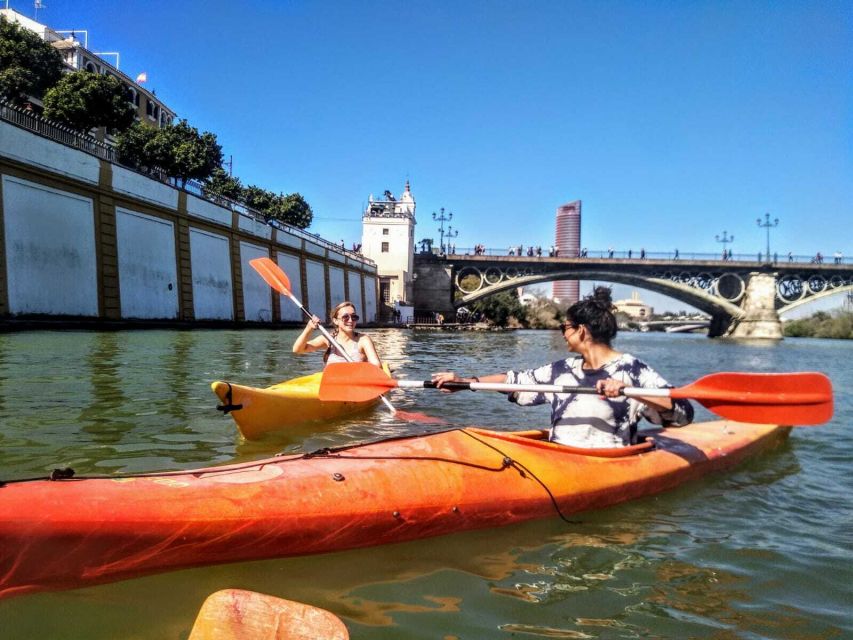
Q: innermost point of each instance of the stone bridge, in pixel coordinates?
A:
(744, 299)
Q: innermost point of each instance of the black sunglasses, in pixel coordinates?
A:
(349, 316)
(567, 325)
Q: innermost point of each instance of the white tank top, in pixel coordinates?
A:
(352, 349)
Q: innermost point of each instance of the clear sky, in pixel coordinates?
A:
(671, 121)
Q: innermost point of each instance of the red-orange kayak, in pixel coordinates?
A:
(71, 533)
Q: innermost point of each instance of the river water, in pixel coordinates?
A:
(765, 551)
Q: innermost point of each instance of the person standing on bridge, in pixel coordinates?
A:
(580, 420)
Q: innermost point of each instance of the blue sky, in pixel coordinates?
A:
(671, 121)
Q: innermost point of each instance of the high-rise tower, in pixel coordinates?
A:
(568, 242)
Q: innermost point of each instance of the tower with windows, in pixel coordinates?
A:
(388, 238)
(568, 243)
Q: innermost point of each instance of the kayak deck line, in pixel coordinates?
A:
(532, 437)
(78, 532)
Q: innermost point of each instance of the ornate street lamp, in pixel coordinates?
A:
(767, 225)
(725, 240)
(442, 219)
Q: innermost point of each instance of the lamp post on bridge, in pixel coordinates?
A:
(725, 240)
(442, 219)
(768, 225)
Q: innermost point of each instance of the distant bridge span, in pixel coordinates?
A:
(744, 299)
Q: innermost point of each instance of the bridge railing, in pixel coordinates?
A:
(638, 254)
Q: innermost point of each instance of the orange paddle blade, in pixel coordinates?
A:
(769, 398)
(272, 274)
(354, 382)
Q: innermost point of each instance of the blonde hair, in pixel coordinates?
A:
(345, 303)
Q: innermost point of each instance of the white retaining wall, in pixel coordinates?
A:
(147, 266)
(257, 294)
(289, 263)
(51, 264)
(211, 268)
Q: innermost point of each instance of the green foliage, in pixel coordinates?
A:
(290, 209)
(132, 145)
(29, 66)
(83, 100)
(183, 153)
(177, 149)
(258, 199)
(220, 184)
(502, 309)
(837, 325)
(543, 313)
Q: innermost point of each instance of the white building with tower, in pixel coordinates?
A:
(388, 238)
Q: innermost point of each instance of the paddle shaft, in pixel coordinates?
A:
(752, 397)
(535, 388)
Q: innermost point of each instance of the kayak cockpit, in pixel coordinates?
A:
(538, 438)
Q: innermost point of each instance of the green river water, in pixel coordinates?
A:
(764, 551)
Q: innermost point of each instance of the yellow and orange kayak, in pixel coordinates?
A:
(67, 533)
(286, 404)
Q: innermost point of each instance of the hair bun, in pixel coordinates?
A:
(602, 296)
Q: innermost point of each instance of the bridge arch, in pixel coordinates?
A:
(696, 297)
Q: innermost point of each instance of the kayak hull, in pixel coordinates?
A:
(281, 406)
(72, 533)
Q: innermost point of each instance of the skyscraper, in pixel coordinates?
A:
(568, 242)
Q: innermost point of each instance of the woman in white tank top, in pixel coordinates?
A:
(344, 318)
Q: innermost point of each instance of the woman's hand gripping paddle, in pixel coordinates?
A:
(275, 277)
(764, 398)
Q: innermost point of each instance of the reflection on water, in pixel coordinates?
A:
(763, 551)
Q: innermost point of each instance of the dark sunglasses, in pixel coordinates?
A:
(349, 316)
(567, 325)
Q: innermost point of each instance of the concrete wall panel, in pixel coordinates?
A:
(316, 273)
(29, 148)
(354, 284)
(255, 227)
(337, 293)
(147, 269)
(50, 250)
(370, 298)
(288, 240)
(136, 185)
(315, 249)
(211, 269)
(257, 294)
(199, 208)
(289, 311)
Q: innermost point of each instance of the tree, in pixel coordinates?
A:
(220, 184)
(259, 199)
(292, 209)
(183, 153)
(84, 100)
(501, 309)
(133, 144)
(28, 65)
(543, 313)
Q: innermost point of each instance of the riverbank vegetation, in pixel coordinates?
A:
(836, 324)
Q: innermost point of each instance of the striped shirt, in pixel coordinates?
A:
(589, 420)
